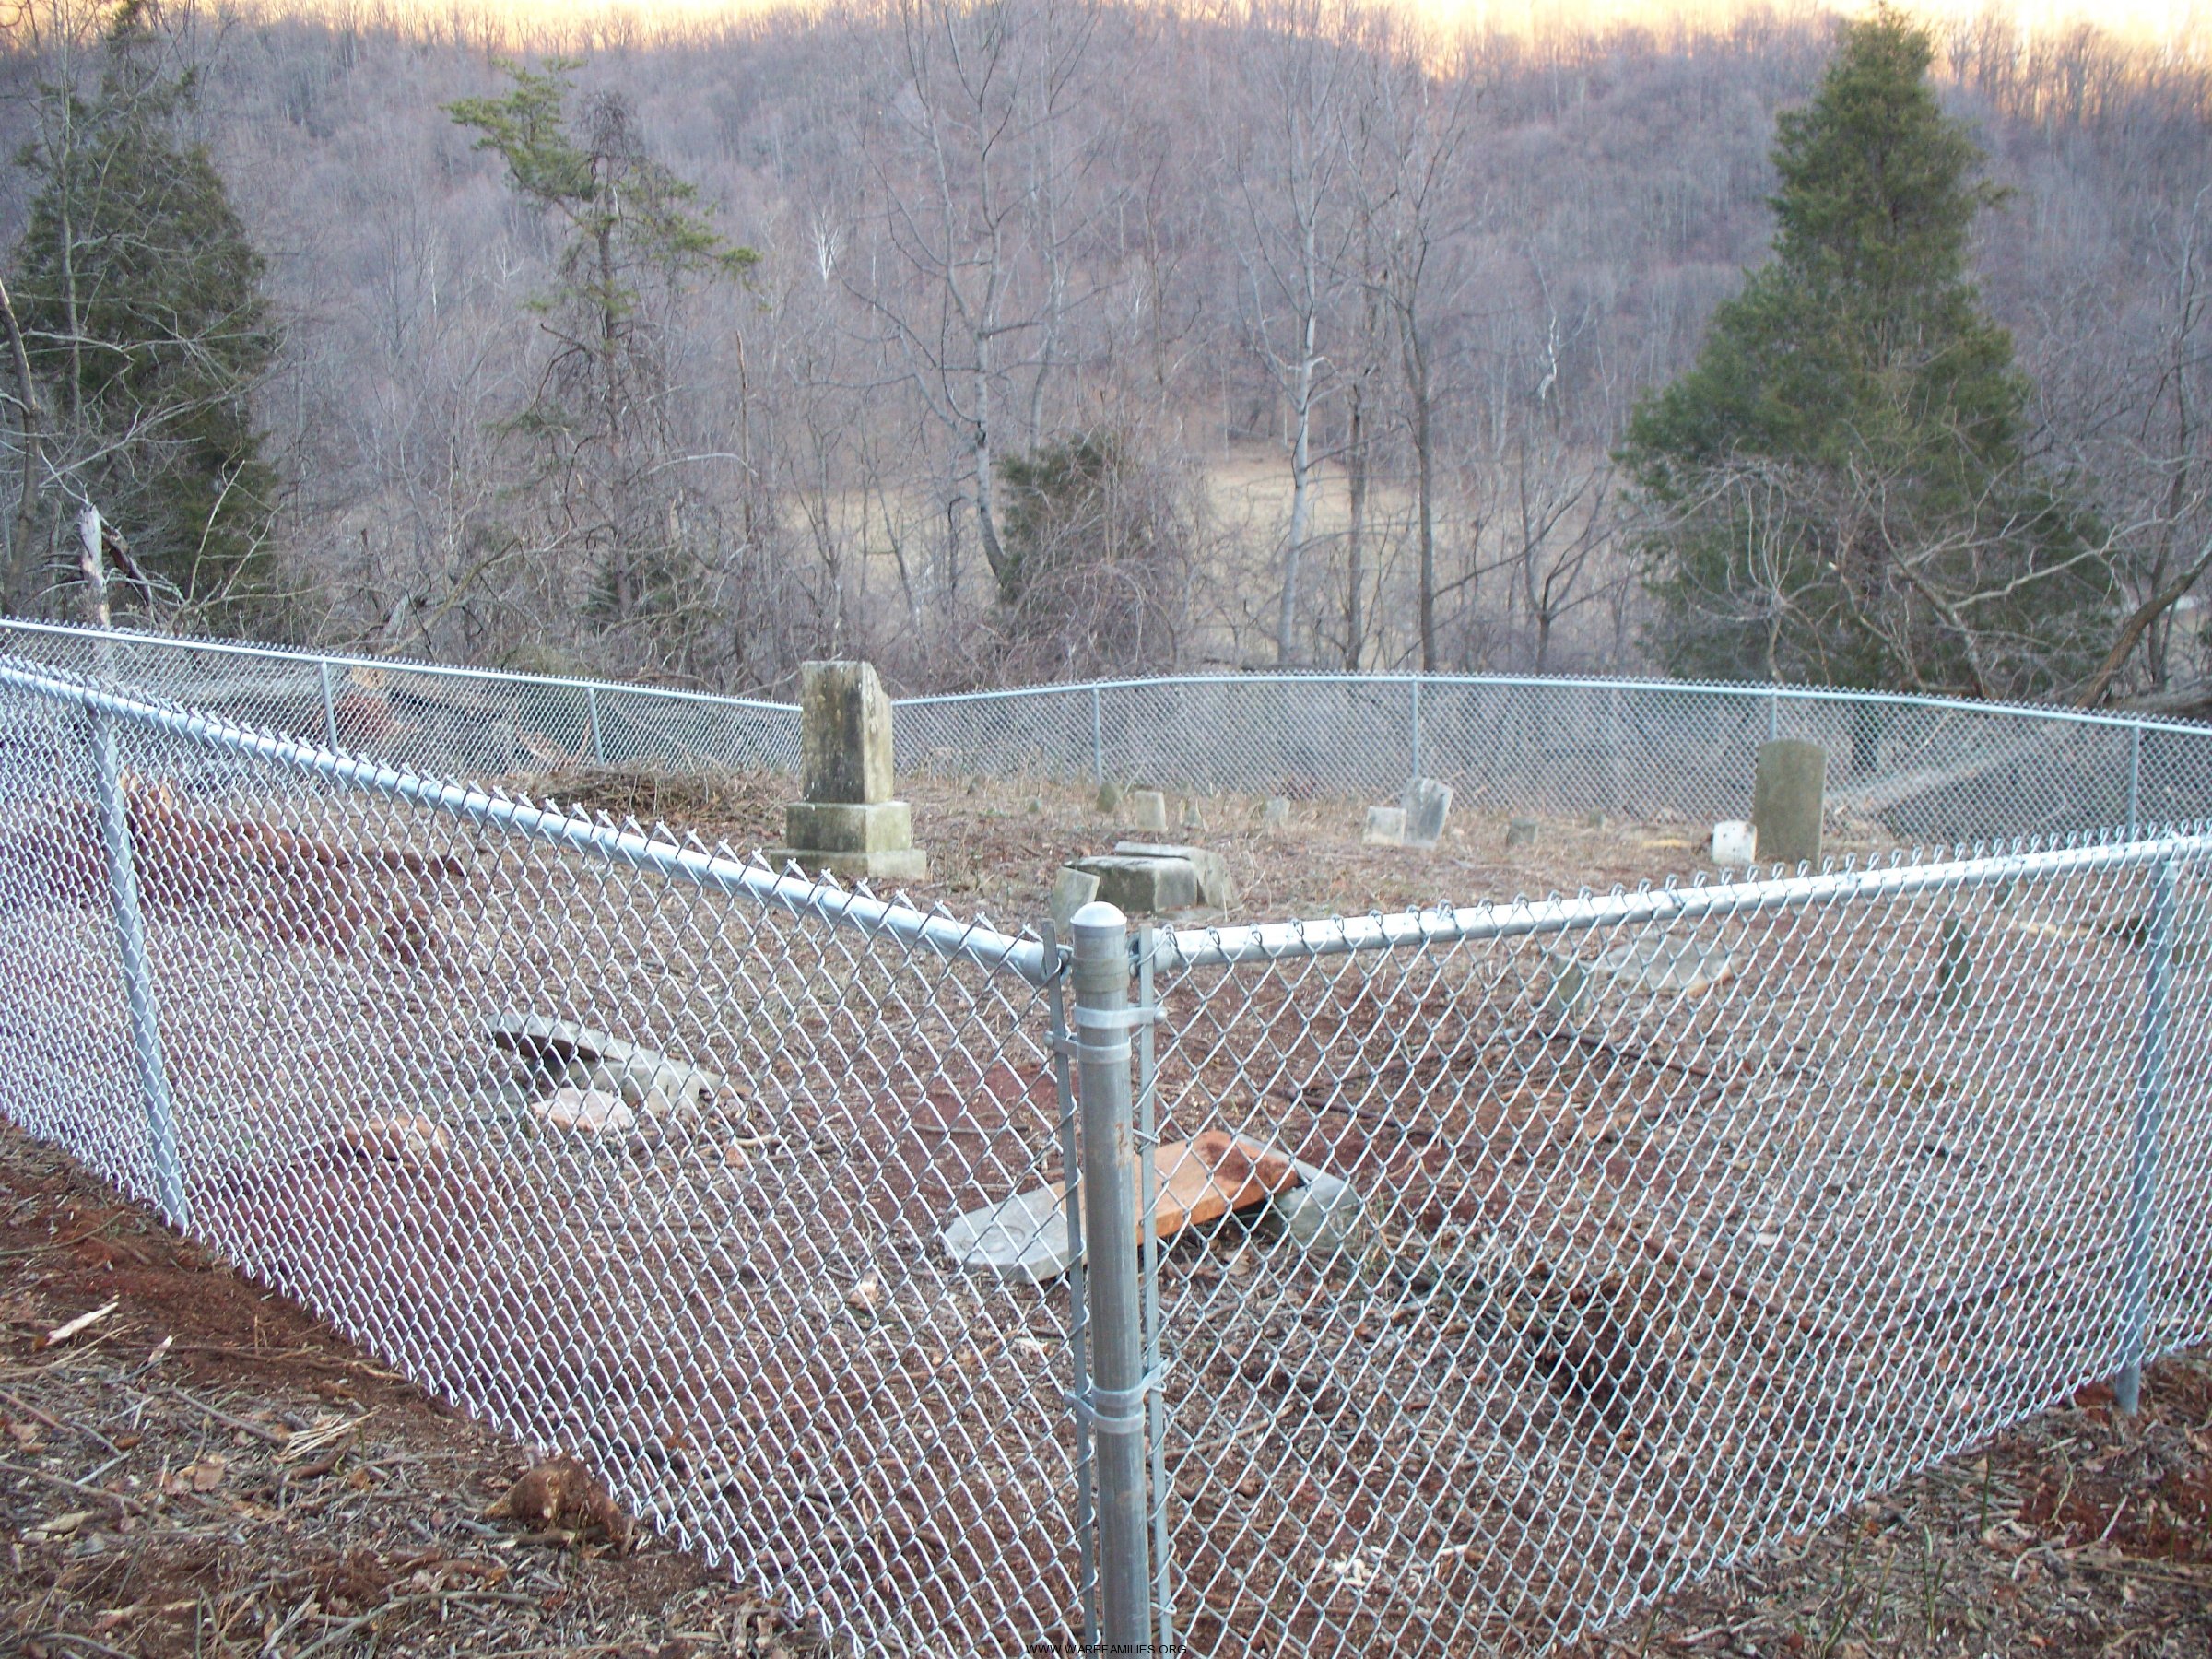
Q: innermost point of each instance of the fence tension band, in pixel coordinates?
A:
(1107, 1020)
(1118, 1411)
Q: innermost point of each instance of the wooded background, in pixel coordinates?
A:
(1080, 338)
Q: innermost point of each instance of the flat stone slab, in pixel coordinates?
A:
(1197, 1180)
(643, 1079)
(1385, 827)
(1143, 885)
(1676, 966)
(1214, 885)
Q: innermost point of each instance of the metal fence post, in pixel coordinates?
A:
(1078, 1314)
(591, 708)
(1116, 1405)
(1098, 741)
(137, 973)
(2143, 1159)
(1417, 727)
(330, 704)
(2134, 779)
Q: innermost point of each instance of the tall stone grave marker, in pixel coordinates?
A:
(1787, 795)
(847, 824)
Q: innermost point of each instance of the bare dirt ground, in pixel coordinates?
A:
(205, 1470)
(208, 1471)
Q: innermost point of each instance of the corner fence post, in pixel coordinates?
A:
(330, 704)
(1148, 1138)
(137, 973)
(1098, 741)
(2143, 1161)
(591, 706)
(1116, 1406)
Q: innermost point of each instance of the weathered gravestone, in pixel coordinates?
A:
(1072, 889)
(1521, 833)
(848, 824)
(1141, 883)
(1786, 801)
(1275, 815)
(1214, 885)
(1385, 827)
(1427, 804)
(1144, 809)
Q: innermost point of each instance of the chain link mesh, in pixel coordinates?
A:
(1632, 1234)
(427, 718)
(712, 1272)
(1925, 769)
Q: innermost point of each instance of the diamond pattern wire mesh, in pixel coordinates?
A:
(1658, 1225)
(1928, 771)
(1649, 1271)
(421, 717)
(735, 1305)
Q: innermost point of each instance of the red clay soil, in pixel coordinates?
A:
(205, 1470)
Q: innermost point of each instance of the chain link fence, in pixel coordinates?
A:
(426, 717)
(1574, 1249)
(1926, 769)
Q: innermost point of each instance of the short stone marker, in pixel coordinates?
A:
(1192, 818)
(1197, 1180)
(1566, 992)
(1787, 794)
(1733, 844)
(1521, 833)
(1322, 1214)
(847, 824)
(1137, 882)
(1275, 815)
(1072, 889)
(1385, 827)
(1110, 797)
(1214, 885)
(1144, 809)
(1678, 965)
(1427, 804)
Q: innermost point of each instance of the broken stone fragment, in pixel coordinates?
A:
(1072, 889)
(1214, 885)
(1521, 833)
(405, 1140)
(588, 1110)
(1150, 886)
(1680, 967)
(1385, 827)
(559, 1047)
(646, 1082)
(1110, 797)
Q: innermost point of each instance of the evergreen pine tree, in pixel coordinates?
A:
(1838, 486)
(139, 295)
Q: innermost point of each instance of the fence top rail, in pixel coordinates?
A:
(180, 642)
(1718, 688)
(936, 931)
(1522, 918)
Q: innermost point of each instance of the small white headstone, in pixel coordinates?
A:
(1735, 844)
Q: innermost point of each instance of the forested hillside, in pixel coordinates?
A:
(1018, 340)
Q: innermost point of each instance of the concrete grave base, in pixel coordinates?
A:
(1137, 885)
(849, 827)
(1214, 885)
(902, 863)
